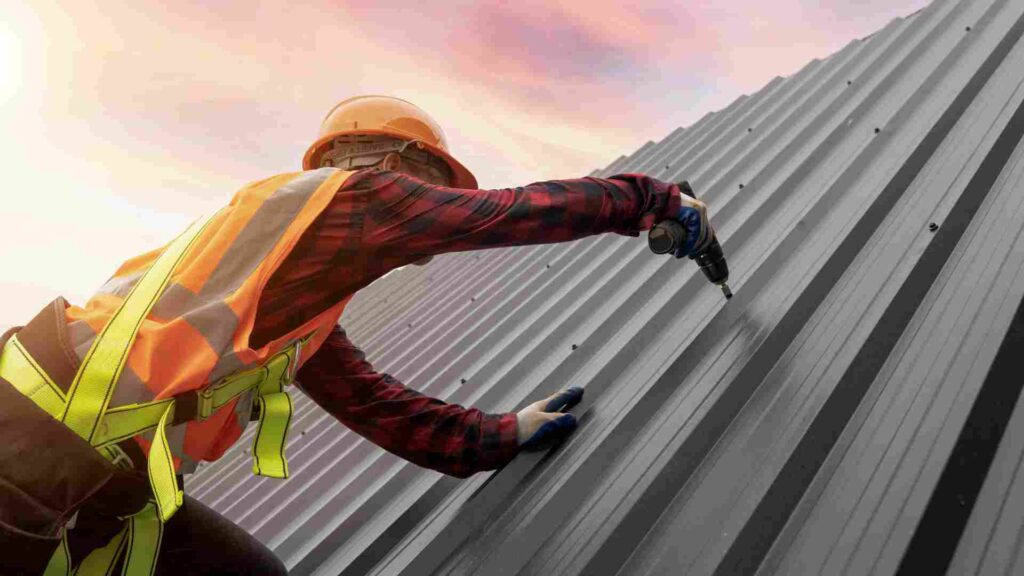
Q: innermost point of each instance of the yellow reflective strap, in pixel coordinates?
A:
(275, 413)
(60, 562)
(268, 447)
(116, 456)
(161, 470)
(233, 386)
(277, 373)
(94, 383)
(18, 368)
(127, 421)
(144, 533)
(100, 562)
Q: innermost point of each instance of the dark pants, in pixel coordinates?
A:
(196, 541)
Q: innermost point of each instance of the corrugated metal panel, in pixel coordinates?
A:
(837, 416)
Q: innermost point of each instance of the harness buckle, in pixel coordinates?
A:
(293, 370)
(194, 405)
(204, 406)
(118, 457)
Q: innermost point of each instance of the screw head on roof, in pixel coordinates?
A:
(547, 265)
(410, 325)
(968, 28)
(463, 380)
(933, 226)
(741, 186)
(573, 346)
(849, 82)
(666, 166)
(877, 130)
(750, 129)
(472, 299)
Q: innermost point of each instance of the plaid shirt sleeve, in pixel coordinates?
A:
(444, 437)
(407, 218)
(379, 221)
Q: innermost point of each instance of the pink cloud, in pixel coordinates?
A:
(556, 57)
(589, 64)
(164, 108)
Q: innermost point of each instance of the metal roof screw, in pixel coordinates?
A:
(410, 325)
(472, 299)
(547, 265)
(741, 186)
(877, 130)
(573, 346)
(666, 166)
(933, 226)
(750, 129)
(849, 82)
(463, 380)
(968, 28)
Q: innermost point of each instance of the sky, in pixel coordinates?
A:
(121, 122)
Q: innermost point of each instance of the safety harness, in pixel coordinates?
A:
(84, 409)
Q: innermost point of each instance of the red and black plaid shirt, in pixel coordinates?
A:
(379, 221)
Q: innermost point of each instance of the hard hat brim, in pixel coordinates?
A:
(463, 177)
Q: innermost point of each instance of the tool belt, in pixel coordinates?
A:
(61, 448)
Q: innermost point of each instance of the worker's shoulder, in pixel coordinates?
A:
(356, 178)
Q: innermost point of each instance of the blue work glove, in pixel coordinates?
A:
(693, 215)
(542, 421)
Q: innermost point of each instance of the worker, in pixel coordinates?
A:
(104, 408)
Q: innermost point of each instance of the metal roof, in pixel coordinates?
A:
(842, 414)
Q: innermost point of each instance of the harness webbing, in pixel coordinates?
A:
(94, 383)
(85, 410)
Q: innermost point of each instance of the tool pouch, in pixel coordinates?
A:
(47, 472)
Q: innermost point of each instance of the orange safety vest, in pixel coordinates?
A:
(165, 358)
(198, 330)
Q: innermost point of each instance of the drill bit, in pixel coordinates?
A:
(726, 291)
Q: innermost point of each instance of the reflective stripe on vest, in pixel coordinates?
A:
(181, 321)
(198, 329)
(141, 534)
(86, 404)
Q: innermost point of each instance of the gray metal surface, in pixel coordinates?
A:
(844, 413)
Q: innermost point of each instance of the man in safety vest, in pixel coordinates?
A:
(104, 407)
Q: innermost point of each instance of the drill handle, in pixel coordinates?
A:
(668, 235)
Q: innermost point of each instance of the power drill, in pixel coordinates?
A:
(668, 235)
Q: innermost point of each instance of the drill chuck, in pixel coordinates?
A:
(712, 263)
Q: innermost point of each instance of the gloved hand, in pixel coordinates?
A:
(693, 215)
(541, 422)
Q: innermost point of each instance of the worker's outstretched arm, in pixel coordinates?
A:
(405, 215)
(381, 220)
(426, 431)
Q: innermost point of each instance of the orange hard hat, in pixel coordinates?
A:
(386, 116)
